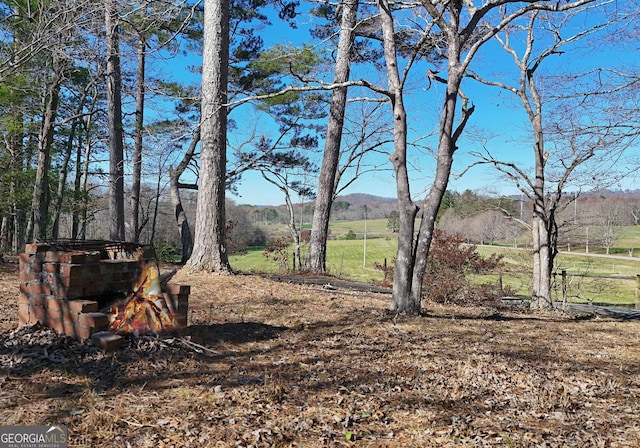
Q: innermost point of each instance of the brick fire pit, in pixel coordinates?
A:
(78, 288)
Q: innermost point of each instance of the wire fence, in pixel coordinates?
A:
(567, 287)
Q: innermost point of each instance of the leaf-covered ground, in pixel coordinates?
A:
(279, 364)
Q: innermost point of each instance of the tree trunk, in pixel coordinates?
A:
(317, 255)
(156, 206)
(4, 234)
(446, 148)
(75, 215)
(182, 222)
(85, 193)
(62, 180)
(114, 115)
(411, 259)
(295, 235)
(209, 251)
(542, 250)
(181, 217)
(40, 204)
(137, 146)
(14, 143)
(81, 178)
(402, 300)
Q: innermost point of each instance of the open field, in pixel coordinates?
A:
(590, 279)
(272, 364)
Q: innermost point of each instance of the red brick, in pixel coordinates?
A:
(99, 321)
(51, 267)
(69, 326)
(37, 299)
(29, 276)
(91, 270)
(28, 268)
(112, 277)
(83, 306)
(96, 288)
(23, 298)
(79, 257)
(176, 288)
(74, 270)
(37, 313)
(53, 314)
(108, 341)
(122, 286)
(23, 313)
(73, 292)
(56, 303)
(81, 332)
(56, 324)
(51, 256)
(63, 281)
(34, 288)
(107, 267)
(34, 248)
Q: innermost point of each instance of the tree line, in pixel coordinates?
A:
(82, 110)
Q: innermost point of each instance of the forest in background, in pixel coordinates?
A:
(90, 122)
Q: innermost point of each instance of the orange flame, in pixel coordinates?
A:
(147, 309)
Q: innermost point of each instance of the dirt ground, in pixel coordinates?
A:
(271, 363)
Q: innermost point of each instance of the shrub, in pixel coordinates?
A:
(351, 235)
(448, 267)
(167, 252)
(387, 270)
(277, 252)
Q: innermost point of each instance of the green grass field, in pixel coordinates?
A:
(588, 279)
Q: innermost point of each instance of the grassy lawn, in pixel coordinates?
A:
(345, 258)
(597, 280)
(377, 227)
(588, 279)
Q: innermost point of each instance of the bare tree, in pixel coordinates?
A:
(40, 205)
(74, 134)
(285, 177)
(574, 140)
(608, 219)
(182, 222)
(463, 28)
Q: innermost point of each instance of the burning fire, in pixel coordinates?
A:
(147, 309)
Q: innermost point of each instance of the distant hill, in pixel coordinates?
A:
(356, 199)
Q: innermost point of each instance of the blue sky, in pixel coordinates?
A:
(498, 121)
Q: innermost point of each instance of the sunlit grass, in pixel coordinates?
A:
(347, 258)
(588, 279)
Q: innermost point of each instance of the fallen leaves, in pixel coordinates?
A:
(276, 364)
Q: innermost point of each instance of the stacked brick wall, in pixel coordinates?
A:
(64, 290)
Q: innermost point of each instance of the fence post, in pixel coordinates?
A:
(638, 291)
(564, 288)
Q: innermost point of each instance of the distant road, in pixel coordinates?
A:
(564, 252)
(614, 257)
